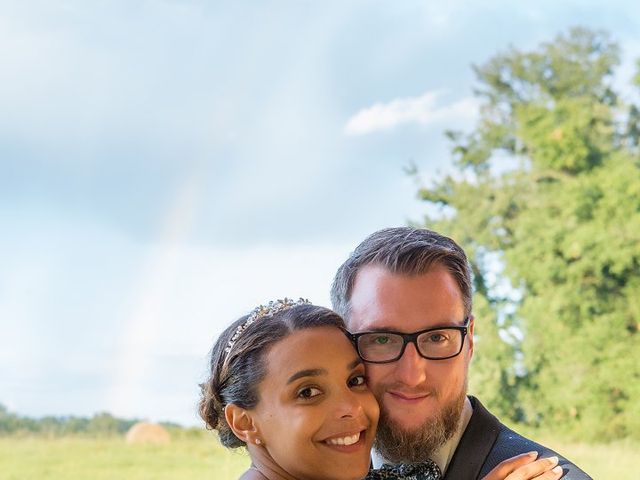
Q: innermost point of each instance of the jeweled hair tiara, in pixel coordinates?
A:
(261, 311)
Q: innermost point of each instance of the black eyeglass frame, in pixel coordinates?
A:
(413, 338)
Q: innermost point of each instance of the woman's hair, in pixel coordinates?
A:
(236, 372)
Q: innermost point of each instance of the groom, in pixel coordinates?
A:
(403, 281)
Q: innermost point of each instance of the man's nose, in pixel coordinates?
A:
(411, 368)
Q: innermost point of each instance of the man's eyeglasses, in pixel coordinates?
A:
(433, 343)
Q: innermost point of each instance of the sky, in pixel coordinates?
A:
(165, 166)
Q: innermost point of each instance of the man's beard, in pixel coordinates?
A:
(397, 445)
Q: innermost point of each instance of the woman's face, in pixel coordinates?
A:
(316, 416)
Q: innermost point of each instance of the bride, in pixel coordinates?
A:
(286, 383)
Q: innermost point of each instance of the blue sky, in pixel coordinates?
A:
(167, 165)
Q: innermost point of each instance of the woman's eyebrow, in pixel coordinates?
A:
(311, 372)
(354, 364)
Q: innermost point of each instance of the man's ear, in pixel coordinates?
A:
(243, 424)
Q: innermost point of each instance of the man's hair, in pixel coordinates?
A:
(404, 251)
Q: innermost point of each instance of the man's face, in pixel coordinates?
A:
(413, 392)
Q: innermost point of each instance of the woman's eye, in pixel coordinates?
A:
(309, 392)
(357, 381)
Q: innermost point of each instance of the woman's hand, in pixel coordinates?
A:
(526, 467)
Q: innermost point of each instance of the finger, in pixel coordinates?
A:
(505, 467)
(533, 469)
(554, 474)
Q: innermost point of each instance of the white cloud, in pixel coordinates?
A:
(422, 110)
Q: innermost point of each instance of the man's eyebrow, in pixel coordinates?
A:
(311, 372)
(385, 329)
(379, 329)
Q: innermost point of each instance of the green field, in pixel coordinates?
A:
(199, 457)
(74, 458)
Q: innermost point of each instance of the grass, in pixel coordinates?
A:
(75, 458)
(201, 457)
(616, 461)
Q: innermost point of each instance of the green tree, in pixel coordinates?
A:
(106, 424)
(546, 195)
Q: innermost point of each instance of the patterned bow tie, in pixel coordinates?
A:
(415, 471)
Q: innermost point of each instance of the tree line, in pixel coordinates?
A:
(100, 424)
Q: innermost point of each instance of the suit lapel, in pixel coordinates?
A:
(475, 445)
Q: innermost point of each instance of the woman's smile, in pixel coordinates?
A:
(347, 443)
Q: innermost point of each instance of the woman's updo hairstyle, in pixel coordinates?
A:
(237, 359)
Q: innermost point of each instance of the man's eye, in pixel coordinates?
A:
(357, 381)
(309, 392)
(437, 338)
(381, 340)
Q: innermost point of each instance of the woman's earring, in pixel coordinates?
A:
(257, 441)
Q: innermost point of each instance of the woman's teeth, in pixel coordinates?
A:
(344, 440)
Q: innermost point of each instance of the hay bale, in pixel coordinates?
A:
(145, 432)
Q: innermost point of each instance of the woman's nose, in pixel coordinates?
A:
(349, 405)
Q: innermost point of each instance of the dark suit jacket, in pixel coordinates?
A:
(486, 442)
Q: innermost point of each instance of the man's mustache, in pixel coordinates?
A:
(402, 389)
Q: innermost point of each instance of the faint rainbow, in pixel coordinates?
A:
(156, 280)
